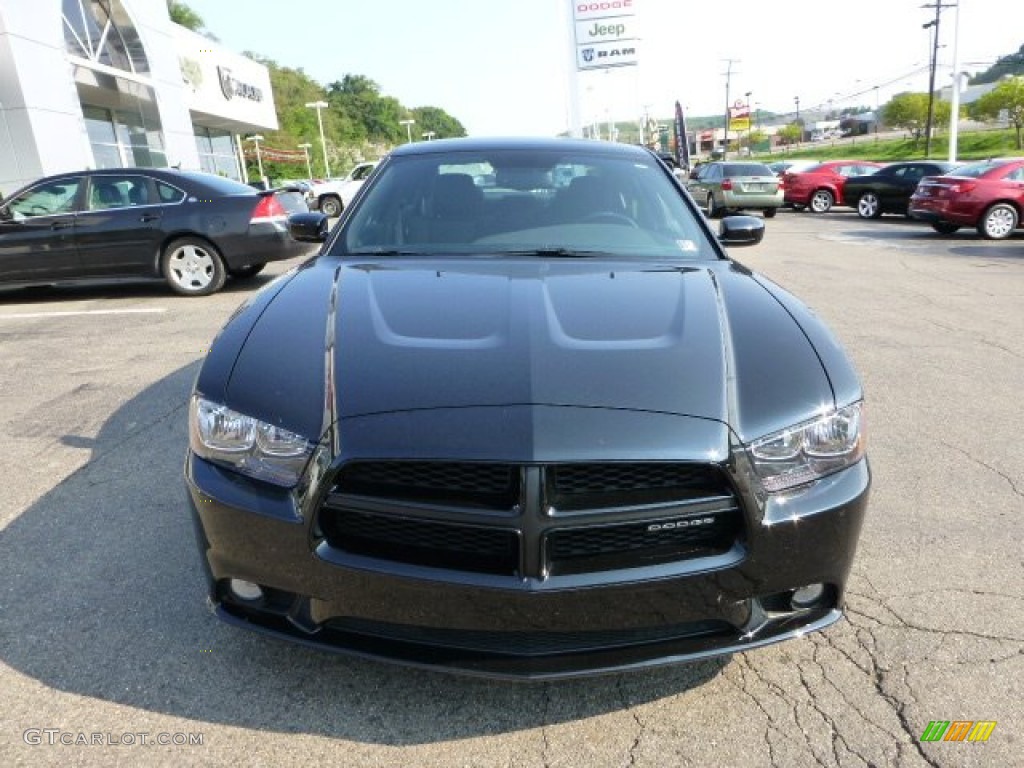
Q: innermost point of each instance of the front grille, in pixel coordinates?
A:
(599, 486)
(505, 519)
(579, 550)
(527, 643)
(489, 486)
(422, 542)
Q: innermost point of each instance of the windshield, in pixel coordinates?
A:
(543, 202)
(746, 169)
(974, 170)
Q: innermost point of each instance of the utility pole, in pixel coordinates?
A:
(939, 8)
(728, 80)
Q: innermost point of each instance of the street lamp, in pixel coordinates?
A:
(750, 125)
(408, 127)
(309, 166)
(429, 135)
(796, 122)
(259, 160)
(318, 105)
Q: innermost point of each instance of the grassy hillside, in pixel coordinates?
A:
(970, 146)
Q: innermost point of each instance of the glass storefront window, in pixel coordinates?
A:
(217, 152)
(101, 31)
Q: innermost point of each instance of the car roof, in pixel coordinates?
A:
(525, 143)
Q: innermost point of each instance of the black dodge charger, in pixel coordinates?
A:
(524, 417)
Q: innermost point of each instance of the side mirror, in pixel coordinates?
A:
(308, 227)
(740, 230)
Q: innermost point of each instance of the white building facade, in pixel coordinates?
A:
(115, 83)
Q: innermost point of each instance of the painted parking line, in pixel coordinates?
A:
(79, 313)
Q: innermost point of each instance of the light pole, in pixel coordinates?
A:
(796, 122)
(750, 125)
(259, 160)
(878, 117)
(318, 105)
(429, 135)
(309, 166)
(954, 112)
(408, 127)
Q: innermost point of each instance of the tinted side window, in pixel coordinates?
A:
(169, 194)
(54, 197)
(108, 192)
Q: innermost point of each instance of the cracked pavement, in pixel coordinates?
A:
(103, 626)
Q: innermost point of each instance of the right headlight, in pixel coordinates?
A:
(247, 445)
(810, 450)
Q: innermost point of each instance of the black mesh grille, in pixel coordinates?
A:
(490, 486)
(577, 550)
(422, 542)
(524, 643)
(443, 515)
(599, 486)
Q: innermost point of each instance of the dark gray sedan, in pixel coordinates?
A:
(524, 417)
(192, 229)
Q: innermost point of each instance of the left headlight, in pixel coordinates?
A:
(810, 450)
(245, 444)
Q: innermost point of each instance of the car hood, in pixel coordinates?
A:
(705, 341)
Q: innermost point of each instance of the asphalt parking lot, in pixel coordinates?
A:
(103, 627)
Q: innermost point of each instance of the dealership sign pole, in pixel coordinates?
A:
(604, 35)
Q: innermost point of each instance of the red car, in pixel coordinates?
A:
(821, 186)
(988, 195)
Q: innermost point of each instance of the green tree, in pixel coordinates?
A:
(791, 134)
(1005, 65)
(435, 120)
(185, 16)
(908, 111)
(1008, 95)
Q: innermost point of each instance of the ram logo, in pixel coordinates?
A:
(693, 522)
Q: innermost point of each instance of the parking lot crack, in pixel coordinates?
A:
(903, 622)
(641, 725)
(824, 641)
(1009, 480)
(773, 725)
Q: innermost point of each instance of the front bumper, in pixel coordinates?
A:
(526, 628)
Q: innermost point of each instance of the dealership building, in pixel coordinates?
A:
(115, 83)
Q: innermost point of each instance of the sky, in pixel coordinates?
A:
(502, 66)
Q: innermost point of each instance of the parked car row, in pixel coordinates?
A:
(987, 195)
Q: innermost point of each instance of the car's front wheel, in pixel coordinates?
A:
(869, 206)
(944, 227)
(998, 222)
(192, 267)
(769, 213)
(821, 201)
(330, 206)
(249, 270)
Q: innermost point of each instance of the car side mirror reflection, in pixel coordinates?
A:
(308, 227)
(740, 230)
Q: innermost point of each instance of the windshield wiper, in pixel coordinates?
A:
(552, 252)
(385, 252)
